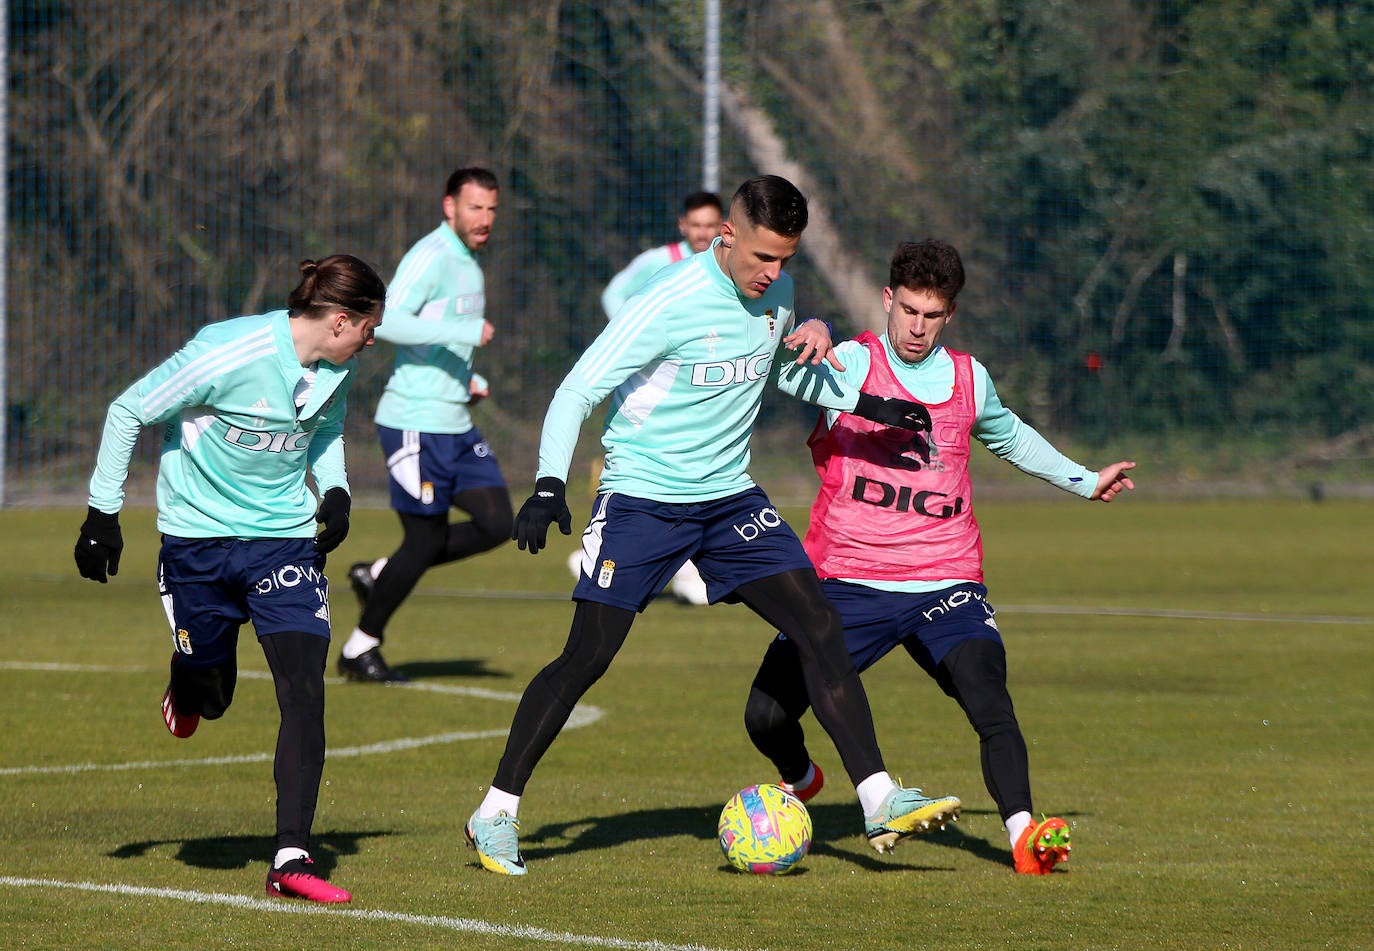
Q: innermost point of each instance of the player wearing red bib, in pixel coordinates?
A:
(896, 544)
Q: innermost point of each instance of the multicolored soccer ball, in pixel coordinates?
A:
(765, 830)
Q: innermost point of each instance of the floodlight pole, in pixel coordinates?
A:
(4, 229)
(710, 133)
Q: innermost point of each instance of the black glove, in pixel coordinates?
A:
(902, 414)
(333, 515)
(546, 506)
(98, 548)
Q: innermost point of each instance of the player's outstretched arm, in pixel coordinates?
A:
(411, 330)
(1112, 481)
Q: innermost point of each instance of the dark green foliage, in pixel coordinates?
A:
(1182, 190)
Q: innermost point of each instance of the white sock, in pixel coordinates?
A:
(359, 643)
(873, 790)
(804, 781)
(1016, 824)
(287, 855)
(376, 569)
(498, 800)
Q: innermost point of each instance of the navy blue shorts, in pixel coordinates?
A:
(211, 586)
(632, 547)
(877, 621)
(428, 469)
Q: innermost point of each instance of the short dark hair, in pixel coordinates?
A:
(928, 265)
(340, 280)
(772, 202)
(481, 177)
(695, 200)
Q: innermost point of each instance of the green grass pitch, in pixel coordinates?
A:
(1194, 681)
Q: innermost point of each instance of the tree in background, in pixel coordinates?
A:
(1177, 189)
(1165, 205)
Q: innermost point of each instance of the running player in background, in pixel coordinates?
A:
(251, 406)
(687, 360)
(893, 536)
(699, 225)
(435, 456)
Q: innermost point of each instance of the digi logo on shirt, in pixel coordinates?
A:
(255, 441)
(904, 498)
(728, 372)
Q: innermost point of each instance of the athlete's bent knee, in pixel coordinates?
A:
(207, 691)
(490, 515)
(763, 714)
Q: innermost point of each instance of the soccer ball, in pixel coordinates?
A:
(765, 830)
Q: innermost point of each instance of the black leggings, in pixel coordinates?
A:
(792, 601)
(430, 540)
(296, 661)
(974, 674)
(297, 664)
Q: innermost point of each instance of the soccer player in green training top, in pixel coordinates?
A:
(435, 455)
(699, 225)
(687, 359)
(251, 406)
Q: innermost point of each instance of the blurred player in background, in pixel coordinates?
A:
(435, 456)
(699, 224)
(687, 360)
(893, 536)
(251, 406)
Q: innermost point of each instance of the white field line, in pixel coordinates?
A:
(582, 715)
(287, 907)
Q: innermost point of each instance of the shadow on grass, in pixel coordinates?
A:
(241, 851)
(461, 667)
(836, 835)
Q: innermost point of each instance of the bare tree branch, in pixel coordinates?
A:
(859, 296)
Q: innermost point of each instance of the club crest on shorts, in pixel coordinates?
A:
(603, 577)
(183, 641)
(427, 493)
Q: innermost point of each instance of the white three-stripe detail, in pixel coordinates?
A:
(217, 362)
